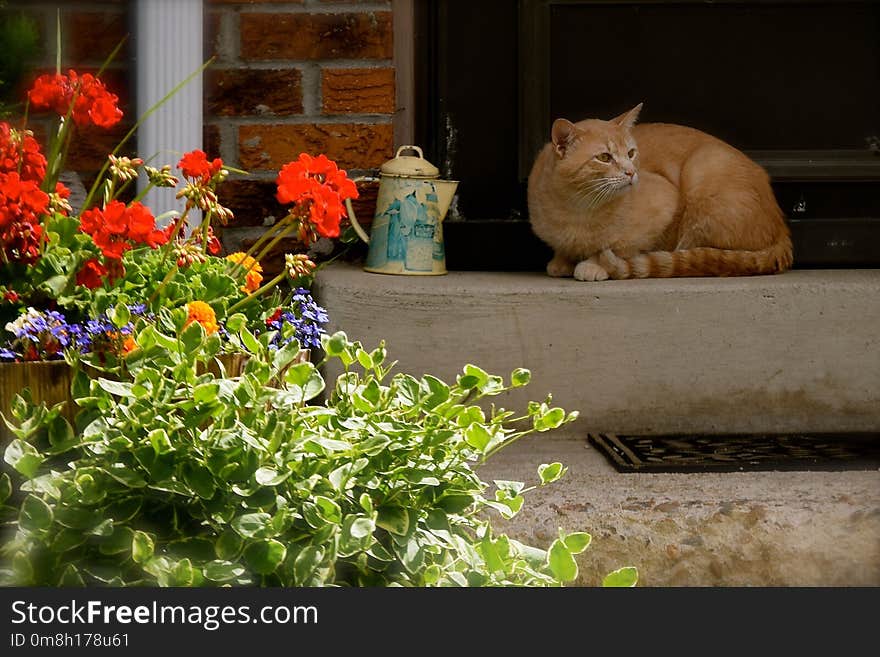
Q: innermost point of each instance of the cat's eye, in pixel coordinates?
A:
(604, 157)
(632, 153)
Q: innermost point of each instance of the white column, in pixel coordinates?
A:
(169, 48)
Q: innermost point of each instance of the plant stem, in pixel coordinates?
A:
(281, 235)
(253, 295)
(262, 239)
(168, 277)
(171, 239)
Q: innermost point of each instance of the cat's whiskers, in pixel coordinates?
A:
(595, 192)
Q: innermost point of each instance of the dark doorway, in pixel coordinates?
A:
(792, 83)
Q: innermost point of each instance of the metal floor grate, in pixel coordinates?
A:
(740, 452)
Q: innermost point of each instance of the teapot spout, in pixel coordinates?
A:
(445, 193)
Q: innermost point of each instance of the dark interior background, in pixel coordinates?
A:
(797, 82)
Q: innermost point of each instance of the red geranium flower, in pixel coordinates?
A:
(92, 103)
(317, 187)
(92, 274)
(114, 228)
(195, 165)
(20, 153)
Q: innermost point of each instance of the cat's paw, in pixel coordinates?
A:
(589, 271)
(559, 268)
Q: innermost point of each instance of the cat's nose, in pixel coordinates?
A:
(631, 174)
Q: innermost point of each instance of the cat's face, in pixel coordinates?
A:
(597, 158)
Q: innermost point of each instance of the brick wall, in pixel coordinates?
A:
(288, 76)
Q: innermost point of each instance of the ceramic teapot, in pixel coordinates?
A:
(407, 231)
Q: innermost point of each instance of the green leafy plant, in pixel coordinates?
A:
(182, 476)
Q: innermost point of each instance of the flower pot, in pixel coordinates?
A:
(48, 380)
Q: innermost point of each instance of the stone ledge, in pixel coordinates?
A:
(795, 352)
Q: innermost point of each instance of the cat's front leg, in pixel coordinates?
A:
(590, 270)
(560, 267)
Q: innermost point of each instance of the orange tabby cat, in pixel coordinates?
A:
(616, 200)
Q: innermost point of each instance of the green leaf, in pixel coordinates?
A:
(299, 374)
(551, 472)
(270, 476)
(251, 525)
(491, 554)
(236, 322)
(306, 563)
(120, 315)
(61, 433)
(205, 393)
(511, 488)
(438, 391)
(366, 502)
(71, 577)
(77, 518)
(468, 382)
(577, 542)
(264, 556)
(431, 575)
(477, 437)
(35, 514)
(622, 578)
(328, 509)
(520, 377)
(200, 479)
(222, 571)
(192, 337)
(23, 457)
(56, 285)
(103, 528)
(394, 519)
(118, 542)
(117, 388)
(79, 387)
(356, 535)
(67, 539)
(334, 345)
(160, 441)
(126, 475)
(562, 564)
(183, 573)
(477, 373)
(365, 360)
(228, 546)
(284, 356)
(6, 487)
(551, 419)
(141, 547)
(250, 342)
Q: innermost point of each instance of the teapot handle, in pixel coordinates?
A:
(354, 222)
(410, 148)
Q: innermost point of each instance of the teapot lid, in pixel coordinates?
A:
(409, 166)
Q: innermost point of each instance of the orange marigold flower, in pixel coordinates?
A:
(129, 345)
(254, 272)
(199, 311)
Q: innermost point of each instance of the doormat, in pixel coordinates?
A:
(740, 452)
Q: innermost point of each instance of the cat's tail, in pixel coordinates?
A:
(700, 261)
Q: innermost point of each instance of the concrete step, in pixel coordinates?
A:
(732, 529)
(797, 352)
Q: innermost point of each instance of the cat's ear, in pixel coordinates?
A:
(562, 134)
(628, 119)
